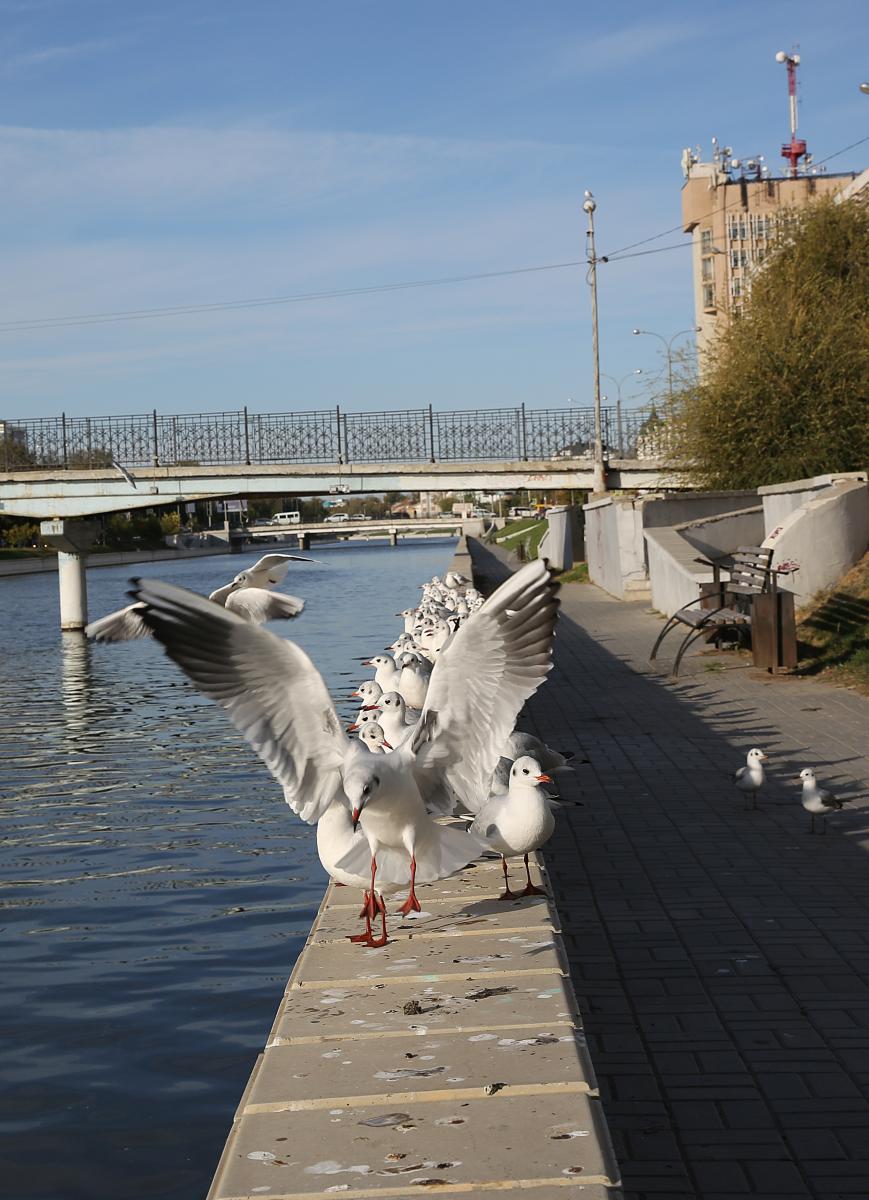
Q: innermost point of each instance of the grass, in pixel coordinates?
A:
(526, 533)
(833, 631)
(578, 573)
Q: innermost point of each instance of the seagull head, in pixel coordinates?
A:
(756, 756)
(364, 717)
(391, 702)
(527, 771)
(361, 785)
(374, 738)
(380, 660)
(807, 775)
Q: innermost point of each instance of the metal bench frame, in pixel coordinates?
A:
(751, 574)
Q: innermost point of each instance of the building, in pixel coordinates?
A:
(731, 209)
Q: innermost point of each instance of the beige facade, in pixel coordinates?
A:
(732, 222)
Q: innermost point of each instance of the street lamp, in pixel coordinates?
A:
(668, 345)
(588, 207)
(618, 383)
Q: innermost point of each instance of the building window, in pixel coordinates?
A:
(707, 270)
(738, 229)
(706, 241)
(735, 287)
(738, 258)
(708, 296)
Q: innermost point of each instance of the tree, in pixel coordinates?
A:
(783, 392)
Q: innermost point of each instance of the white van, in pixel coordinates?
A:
(287, 518)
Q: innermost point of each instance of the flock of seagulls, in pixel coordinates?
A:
(432, 772)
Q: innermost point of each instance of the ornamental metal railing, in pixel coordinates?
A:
(327, 437)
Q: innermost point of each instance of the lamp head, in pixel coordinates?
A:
(588, 204)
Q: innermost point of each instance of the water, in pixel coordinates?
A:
(155, 890)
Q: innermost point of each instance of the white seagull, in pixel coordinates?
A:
(519, 821)
(751, 778)
(249, 595)
(817, 801)
(277, 699)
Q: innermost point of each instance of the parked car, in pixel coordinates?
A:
(335, 517)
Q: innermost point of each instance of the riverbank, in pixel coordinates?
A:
(109, 558)
(454, 1058)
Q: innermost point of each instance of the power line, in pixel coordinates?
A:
(146, 314)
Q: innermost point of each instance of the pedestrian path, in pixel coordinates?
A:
(720, 957)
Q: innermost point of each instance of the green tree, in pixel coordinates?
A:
(783, 392)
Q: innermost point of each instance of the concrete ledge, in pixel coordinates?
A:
(113, 558)
(453, 1058)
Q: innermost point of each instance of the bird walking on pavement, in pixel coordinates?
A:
(817, 801)
(751, 778)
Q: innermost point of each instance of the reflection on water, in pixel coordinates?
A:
(154, 888)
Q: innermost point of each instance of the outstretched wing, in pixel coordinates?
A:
(275, 566)
(259, 605)
(481, 679)
(125, 625)
(270, 689)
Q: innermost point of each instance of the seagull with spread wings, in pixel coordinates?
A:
(249, 595)
(277, 699)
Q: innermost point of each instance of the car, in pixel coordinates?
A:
(335, 517)
(287, 518)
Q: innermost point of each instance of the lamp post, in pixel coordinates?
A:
(618, 383)
(668, 345)
(588, 207)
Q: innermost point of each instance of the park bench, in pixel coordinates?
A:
(748, 603)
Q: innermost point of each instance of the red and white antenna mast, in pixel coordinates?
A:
(796, 148)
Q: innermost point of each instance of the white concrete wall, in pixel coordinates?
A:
(674, 575)
(781, 499)
(615, 547)
(827, 534)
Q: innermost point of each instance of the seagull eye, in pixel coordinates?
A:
(524, 770)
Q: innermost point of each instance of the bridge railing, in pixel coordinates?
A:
(325, 437)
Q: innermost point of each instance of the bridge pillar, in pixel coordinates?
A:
(72, 539)
(393, 537)
(304, 540)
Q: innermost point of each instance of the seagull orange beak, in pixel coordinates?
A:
(544, 779)
(386, 744)
(351, 728)
(370, 707)
(355, 819)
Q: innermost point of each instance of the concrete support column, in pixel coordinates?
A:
(72, 539)
(72, 579)
(393, 537)
(304, 541)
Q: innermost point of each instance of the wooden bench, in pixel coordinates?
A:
(725, 604)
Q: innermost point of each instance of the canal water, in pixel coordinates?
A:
(155, 888)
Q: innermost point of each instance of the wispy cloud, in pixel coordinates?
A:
(622, 48)
(41, 55)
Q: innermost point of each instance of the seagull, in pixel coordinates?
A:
(249, 595)
(519, 743)
(385, 671)
(126, 474)
(817, 801)
(519, 821)
(414, 679)
(277, 699)
(369, 692)
(375, 739)
(751, 778)
(393, 717)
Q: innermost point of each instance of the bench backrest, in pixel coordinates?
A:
(750, 571)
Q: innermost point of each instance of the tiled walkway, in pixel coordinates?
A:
(720, 957)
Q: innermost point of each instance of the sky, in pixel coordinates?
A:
(195, 152)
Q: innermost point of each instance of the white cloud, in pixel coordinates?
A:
(41, 55)
(633, 44)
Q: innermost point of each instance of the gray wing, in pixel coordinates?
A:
(483, 676)
(739, 774)
(125, 625)
(274, 567)
(259, 605)
(828, 799)
(269, 688)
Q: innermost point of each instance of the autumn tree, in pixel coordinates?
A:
(784, 391)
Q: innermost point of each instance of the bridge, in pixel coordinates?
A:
(388, 527)
(64, 467)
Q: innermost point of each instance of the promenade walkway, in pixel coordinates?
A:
(720, 957)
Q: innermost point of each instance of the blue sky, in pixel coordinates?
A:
(199, 151)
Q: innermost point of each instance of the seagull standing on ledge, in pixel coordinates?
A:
(817, 801)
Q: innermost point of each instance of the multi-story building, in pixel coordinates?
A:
(730, 208)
